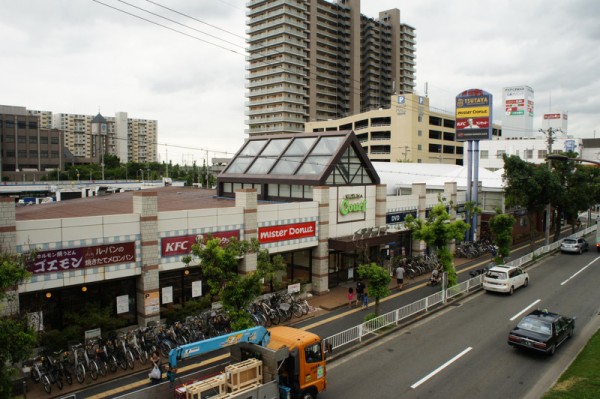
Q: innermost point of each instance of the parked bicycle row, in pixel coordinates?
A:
(418, 265)
(475, 249)
(98, 356)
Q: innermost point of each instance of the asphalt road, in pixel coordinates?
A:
(462, 352)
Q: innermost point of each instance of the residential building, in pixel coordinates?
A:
(315, 60)
(408, 131)
(27, 150)
(132, 140)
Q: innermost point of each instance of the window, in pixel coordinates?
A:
(500, 153)
(53, 140)
(542, 154)
(420, 147)
(33, 153)
(313, 353)
(22, 154)
(33, 140)
(9, 139)
(21, 139)
(54, 154)
(528, 154)
(483, 154)
(43, 154)
(43, 140)
(420, 133)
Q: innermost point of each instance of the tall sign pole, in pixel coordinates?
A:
(473, 123)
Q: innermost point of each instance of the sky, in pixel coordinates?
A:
(85, 57)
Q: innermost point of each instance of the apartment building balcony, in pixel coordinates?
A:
(276, 90)
(275, 110)
(260, 130)
(275, 119)
(276, 4)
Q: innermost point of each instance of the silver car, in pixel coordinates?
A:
(503, 278)
(574, 245)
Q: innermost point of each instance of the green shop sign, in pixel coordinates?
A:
(346, 206)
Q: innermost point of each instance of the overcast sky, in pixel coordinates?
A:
(80, 56)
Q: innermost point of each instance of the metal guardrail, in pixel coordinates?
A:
(422, 306)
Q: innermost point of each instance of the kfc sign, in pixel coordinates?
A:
(286, 232)
(182, 245)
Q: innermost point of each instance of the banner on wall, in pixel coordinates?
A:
(167, 295)
(196, 288)
(151, 302)
(287, 232)
(78, 258)
(122, 304)
(182, 245)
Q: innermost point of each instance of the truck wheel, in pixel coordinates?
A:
(308, 395)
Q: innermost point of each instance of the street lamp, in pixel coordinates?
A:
(77, 170)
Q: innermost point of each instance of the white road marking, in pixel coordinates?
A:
(580, 270)
(524, 310)
(443, 366)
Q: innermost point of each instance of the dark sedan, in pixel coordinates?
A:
(541, 331)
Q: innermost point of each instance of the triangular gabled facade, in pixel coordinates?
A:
(286, 167)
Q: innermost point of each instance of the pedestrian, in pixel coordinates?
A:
(360, 289)
(365, 300)
(350, 297)
(171, 374)
(156, 373)
(400, 276)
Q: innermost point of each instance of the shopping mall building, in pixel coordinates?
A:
(313, 198)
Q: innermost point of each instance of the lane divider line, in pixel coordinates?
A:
(443, 366)
(524, 310)
(580, 270)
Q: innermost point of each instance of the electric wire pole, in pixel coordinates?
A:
(550, 136)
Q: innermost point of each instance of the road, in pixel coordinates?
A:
(462, 351)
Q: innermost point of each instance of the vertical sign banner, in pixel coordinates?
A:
(473, 115)
(167, 295)
(151, 302)
(196, 288)
(122, 304)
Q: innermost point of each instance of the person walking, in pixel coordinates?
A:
(365, 300)
(350, 297)
(156, 373)
(360, 289)
(400, 277)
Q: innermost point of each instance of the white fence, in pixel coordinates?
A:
(422, 306)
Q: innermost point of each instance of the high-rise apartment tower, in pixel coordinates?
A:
(315, 60)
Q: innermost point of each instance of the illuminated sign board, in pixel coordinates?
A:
(473, 115)
(182, 245)
(287, 232)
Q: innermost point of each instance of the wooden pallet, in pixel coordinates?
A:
(243, 374)
(215, 387)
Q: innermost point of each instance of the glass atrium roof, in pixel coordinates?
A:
(331, 158)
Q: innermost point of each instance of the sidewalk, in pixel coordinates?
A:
(336, 297)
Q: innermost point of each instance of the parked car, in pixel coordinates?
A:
(574, 245)
(504, 278)
(541, 331)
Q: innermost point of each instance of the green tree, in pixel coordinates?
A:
(269, 268)
(378, 282)
(580, 190)
(531, 187)
(16, 336)
(218, 265)
(438, 231)
(501, 226)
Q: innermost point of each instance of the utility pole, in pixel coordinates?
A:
(550, 136)
(405, 153)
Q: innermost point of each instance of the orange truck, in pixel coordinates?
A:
(280, 362)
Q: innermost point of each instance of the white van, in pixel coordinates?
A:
(503, 278)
